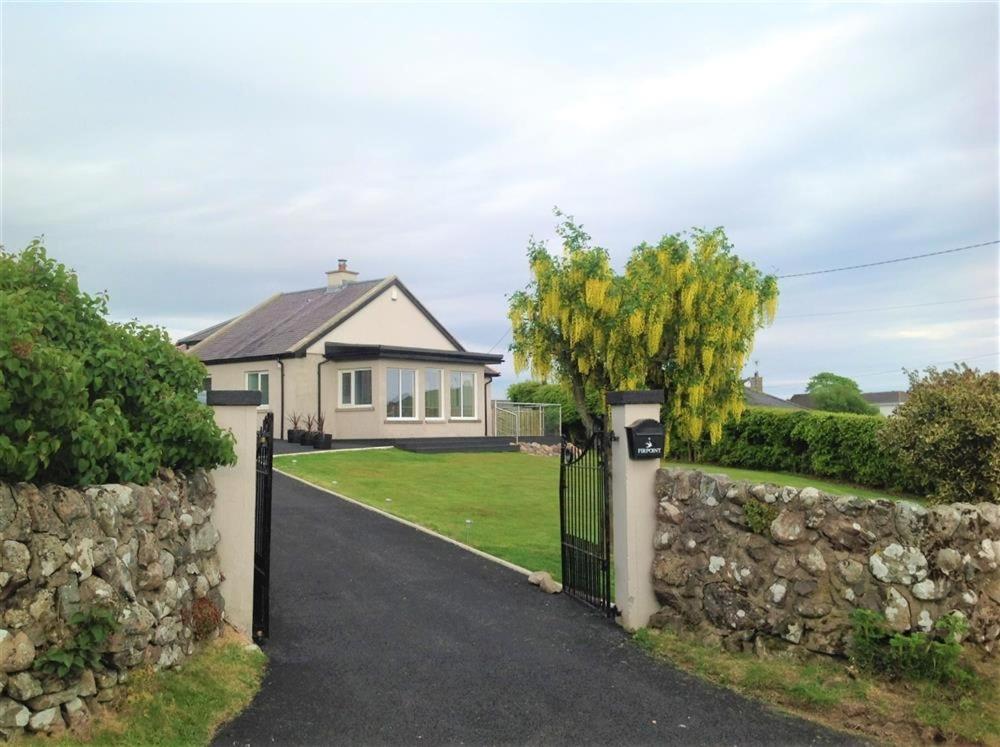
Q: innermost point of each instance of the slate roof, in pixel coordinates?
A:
(279, 323)
(196, 337)
(886, 398)
(760, 399)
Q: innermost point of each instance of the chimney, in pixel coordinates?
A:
(340, 276)
(757, 383)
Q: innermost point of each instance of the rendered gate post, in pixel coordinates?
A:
(235, 489)
(633, 507)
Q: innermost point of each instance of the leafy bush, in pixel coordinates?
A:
(557, 394)
(204, 618)
(84, 400)
(760, 515)
(838, 445)
(84, 651)
(925, 656)
(947, 434)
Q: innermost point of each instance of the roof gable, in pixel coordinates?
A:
(290, 323)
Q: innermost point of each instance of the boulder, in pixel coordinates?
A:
(17, 652)
(812, 560)
(896, 564)
(22, 686)
(13, 714)
(789, 527)
(897, 610)
(47, 720)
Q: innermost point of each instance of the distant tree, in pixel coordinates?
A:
(681, 318)
(835, 393)
(947, 434)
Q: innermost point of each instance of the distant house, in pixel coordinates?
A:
(886, 402)
(367, 355)
(756, 396)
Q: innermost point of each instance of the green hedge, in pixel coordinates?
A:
(84, 400)
(836, 445)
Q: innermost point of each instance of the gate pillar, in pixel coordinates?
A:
(236, 411)
(633, 508)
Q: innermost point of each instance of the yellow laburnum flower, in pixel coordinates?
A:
(635, 321)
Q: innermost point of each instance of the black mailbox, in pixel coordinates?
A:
(645, 439)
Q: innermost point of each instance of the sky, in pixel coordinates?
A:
(194, 159)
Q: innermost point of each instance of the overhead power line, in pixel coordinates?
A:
(502, 338)
(886, 308)
(890, 261)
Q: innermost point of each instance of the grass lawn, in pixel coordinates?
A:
(512, 500)
(180, 707)
(795, 481)
(826, 690)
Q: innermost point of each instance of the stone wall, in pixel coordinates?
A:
(814, 558)
(146, 552)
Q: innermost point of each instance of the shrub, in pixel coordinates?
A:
(204, 618)
(838, 445)
(760, 515)
(947, 434)
(84, 400)
(84, 651)
(925, 656)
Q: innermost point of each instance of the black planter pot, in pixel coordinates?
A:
(324, 441)
(306, 438)
(292, 435)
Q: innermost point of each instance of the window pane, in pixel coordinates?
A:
(432, 393)
(345, 387)
(392, 393)
(264, 382)
(408, 386)
(468, 395)
(456, 394)
(363, 387)
(253, 384)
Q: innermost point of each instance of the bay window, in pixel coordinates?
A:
(463, 395)
(356, 388)
(401, 393)
(432, 393)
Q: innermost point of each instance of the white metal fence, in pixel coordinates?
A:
(526, 420)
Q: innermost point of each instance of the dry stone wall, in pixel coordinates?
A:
(146, 552)
(763, 565)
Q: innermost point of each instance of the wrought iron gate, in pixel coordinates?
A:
(262, 530)
(585, 521)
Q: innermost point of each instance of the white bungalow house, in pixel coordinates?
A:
(366, 354)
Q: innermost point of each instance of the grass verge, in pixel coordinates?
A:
(182, 706)
(830, 692)
(505, 504)
(793, 480)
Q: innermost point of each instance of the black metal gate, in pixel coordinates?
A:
(585, 521)
(262, 530)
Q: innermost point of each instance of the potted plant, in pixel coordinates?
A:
(323, 440)
(293, 434)
(307, 436)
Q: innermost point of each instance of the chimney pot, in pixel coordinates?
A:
(341, 276)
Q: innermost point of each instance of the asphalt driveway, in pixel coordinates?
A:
(381, 634)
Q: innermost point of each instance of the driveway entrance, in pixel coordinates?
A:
(383, 634)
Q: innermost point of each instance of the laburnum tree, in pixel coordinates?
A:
(681, 318)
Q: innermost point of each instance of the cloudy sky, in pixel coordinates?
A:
(193, 159)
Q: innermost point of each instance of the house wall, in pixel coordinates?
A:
(371, 422)
(233, 376)
(385, 321)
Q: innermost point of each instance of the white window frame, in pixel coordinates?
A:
(340, 389)
(475, 398)
(416, 394)
(440, 417)
(246, 380)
